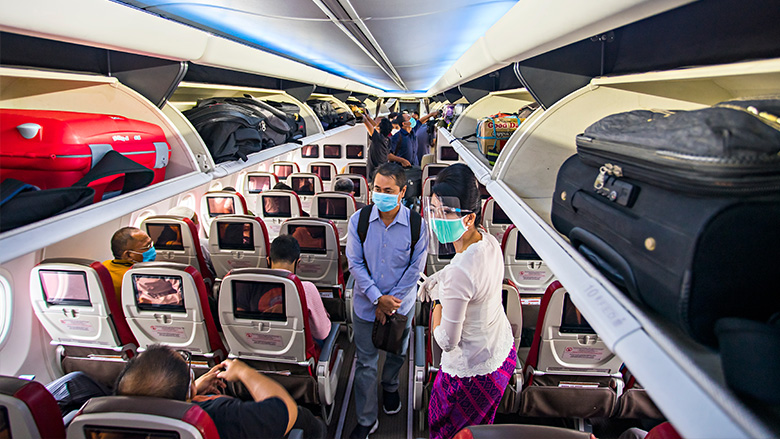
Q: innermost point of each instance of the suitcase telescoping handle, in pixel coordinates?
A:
(606, 259)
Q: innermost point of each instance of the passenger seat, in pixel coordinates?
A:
(75, 302)
(326, 171)
(274, 335)
(277, 206)
(321, 262)
(569, 371)
(494, 219)
(306, 185)
(176, 239)
(337, 207)
(283, 169)
(168, 303)
(522, 264)
(238, 241)
(362, 190)
(29, 410)
(141, 416)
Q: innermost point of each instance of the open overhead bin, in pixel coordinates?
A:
(21, 89)
(677, 372)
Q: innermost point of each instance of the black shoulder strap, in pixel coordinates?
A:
(362, 229)
(415, 221)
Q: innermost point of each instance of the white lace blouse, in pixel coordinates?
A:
(474, 334)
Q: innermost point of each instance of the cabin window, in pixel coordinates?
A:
(142, 216)
(189, 201)
(6, 306)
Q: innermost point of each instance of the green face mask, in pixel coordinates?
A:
(448, 230)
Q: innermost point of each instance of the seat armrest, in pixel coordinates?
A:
(330, 342)
(295, 433)
(419, 346)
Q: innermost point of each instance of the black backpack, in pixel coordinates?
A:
(229, 131)
(275, 126)
(294, 119)
(415, 222)
(325, 113)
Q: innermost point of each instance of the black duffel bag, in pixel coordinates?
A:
(680, 210)
(229, 131)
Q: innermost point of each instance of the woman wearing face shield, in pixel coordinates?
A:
(468, 321)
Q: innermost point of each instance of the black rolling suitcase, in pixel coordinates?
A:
(680, 209)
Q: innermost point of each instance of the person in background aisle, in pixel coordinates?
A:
(347, 186)
(285, 254)
(128, 245)
(395, 127)
(468, 319)
(403, 144)
(186, 212)
(379, 148)
(420, 129)
(386, 268)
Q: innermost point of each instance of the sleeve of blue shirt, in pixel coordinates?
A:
(357, 263)
(417, 265)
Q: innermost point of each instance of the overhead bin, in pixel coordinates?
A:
(532, 28)
(680, 373)
(22, 89)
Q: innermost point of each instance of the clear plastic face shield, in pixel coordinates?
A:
(446, 223)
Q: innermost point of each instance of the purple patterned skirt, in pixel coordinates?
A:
(459, 402)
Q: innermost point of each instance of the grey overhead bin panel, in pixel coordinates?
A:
(154, 78)
(700, 33)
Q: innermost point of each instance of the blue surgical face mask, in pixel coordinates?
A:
(448, 230)
(384, 202)
(149, 255)
(413, 121)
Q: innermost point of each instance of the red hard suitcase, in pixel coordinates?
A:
(54, 149)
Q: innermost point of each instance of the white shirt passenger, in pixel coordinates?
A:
(475, 334)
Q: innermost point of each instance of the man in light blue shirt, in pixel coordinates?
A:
(386, 269)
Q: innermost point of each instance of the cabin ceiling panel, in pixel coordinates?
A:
(297, 29)
(424, 38)
(369, 41)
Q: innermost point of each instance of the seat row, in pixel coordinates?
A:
(263, 314)
(564, 369)
(27, 409)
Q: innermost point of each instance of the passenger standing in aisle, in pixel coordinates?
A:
(386, 269)
(403, 144)
(379, 149)
(420, 129)
(468, 320)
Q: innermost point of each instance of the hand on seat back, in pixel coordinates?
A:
(209, 383)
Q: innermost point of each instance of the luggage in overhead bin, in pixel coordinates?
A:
(493, 132)
(680, 209)
(57, 149)
(294, 118)
(329, 116)
(273, 125)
